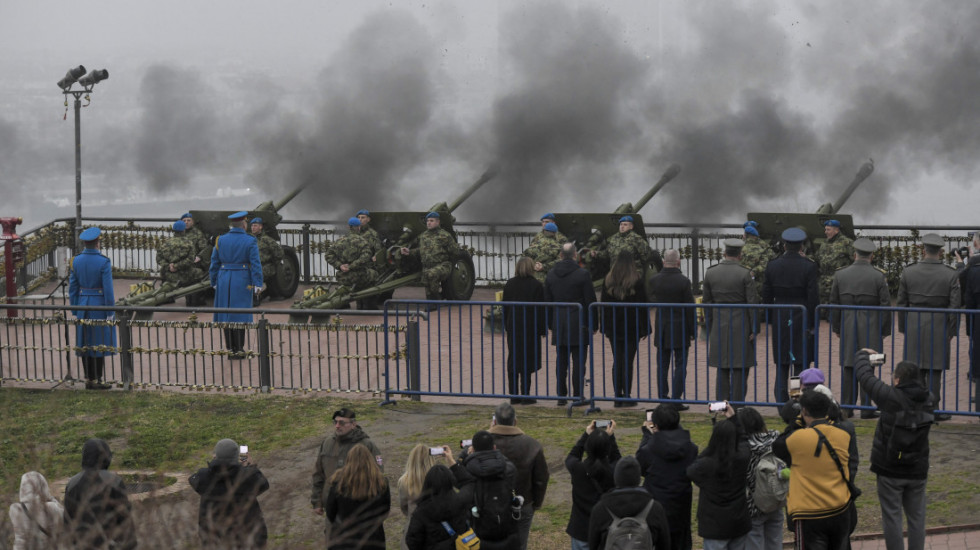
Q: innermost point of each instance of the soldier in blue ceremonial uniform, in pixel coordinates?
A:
(90, 284)
(791, 279)
(236, 274)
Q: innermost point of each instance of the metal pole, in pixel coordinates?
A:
(125, 351)
(78, 171)
(306, 253)
(265, 364)
(414, 352)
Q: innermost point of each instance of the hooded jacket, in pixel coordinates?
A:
(425, 530)
(97, 509)
(589, 482)
(330, 458)
(489, 466)
(627, 502)
(664, 457)
(38, 517)
(229, 514)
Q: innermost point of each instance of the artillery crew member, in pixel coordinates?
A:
(437, 250)
(791, 279)
(731, 331)
(545, 220)
(836, 252)
(859, 284)
(175, 259)
(756, 254)
(544, 250)
(201, 244)
(270, 252)
(370, 235)
(929, 284)
(236, 274)
(351, 257)
(629, 241)
(90, 284)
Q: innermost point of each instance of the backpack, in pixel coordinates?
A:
(630, 532)
(770, 488)
(491, 515)
(910, 434)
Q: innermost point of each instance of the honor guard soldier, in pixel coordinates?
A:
(236, 275)
(90, 284)
(437, 250)
(791, 279)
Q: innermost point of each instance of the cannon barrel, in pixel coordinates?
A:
(488, 175)
(630, 208)
(862, 174)
(278, 205)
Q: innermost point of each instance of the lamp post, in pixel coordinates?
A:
(87, 82)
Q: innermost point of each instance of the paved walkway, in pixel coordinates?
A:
(939, 538)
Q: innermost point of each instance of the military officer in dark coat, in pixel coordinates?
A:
(859, 284)
(731, 331)
(90, 284)
(929, 284)
(791, 279)
(236, 275)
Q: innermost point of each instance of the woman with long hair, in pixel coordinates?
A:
(624, 326)
(723, 515)
(524, 326)
(439, 503)
(358, 503)
(419, 462)
(591, 477)
(767, 528)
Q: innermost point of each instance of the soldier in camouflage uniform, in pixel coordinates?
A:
(544, 250)
(756, 255)
(270, 255)
(545, 220)
(350, 256)
(175, 259)
(437, 250)
(369, 234)
(629, 241)
(202, 257)
(835, 253)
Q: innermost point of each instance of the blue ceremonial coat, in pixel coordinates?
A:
(235, 272)
(90, 284)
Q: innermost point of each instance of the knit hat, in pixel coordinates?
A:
(627, 472)
(226, 449)
(820, 388)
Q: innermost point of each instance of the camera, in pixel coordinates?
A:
(794, 386)
(242, 453)
(465, 443)
(649, 415)
(964, 252)
(436, 451)
(718, 406)
(601, 424)
(877, 359)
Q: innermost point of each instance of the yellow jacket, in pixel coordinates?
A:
(816, 487)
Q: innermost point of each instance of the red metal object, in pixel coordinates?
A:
(13, 253)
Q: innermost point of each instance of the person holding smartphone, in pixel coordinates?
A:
(591, 477)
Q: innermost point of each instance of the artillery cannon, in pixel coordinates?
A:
(772, 224)
(214, 223)
(397, 230)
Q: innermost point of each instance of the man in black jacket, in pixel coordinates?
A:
(567, 282)
(628, 500)
(900, 452)
(97, 511)
(674, 330)
(486, 478)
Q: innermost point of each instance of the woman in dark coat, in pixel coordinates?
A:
(438, 503)
(358, 503)
(591, 477)
(524, 325)
(624, 326)
(723, 512)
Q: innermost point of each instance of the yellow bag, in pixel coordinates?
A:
(464, 541)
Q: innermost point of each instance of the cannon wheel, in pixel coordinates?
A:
(287, 276)
(462, 279)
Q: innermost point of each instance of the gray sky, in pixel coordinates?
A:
(399, 105)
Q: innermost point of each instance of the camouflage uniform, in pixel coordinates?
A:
(373, 239)
(437, 250)
(180, 251)
(755, 256)
(545, 249)
(636, 245)
(836, 253)
(202, 248)
(270, 255)
(354, 250)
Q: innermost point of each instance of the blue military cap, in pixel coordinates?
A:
(548, 216)
(179, 226)
(238, 215)
(794, 235)
(626, 219)
(749, 230)
(90, 234)
(255, 220)
(750, 223)
(354, 222)
(831, 223)
(551, 226)
(432, 215)
(186, 215)
(363, 212)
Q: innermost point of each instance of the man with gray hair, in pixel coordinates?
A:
(674, 330)
(567, 282)
(527, 455)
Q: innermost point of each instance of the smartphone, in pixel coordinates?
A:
(649, 415)
(242, 453)
(877, 358)
(602, 424)
(436, 451)
(717, 406)
(794, 383)
(465, 443)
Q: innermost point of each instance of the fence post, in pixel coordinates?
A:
(414, 344)
(306, 253)
(125, 351)
(265, 362)
(695, 251)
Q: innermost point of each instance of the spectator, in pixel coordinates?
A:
(567, 282)
(97, 510)
(899, 457)
(723, 515)
(333, 453)
(488, 478)
(358, 501)
(675, 328)
(819, 488)
(624, 326)
(438, 503)
(628, 500)
(524, 326)
(590, 478)
(527, 455)
(767, 528)
(230, 516)
(664, 455)
(420, 460)
(37, 519)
